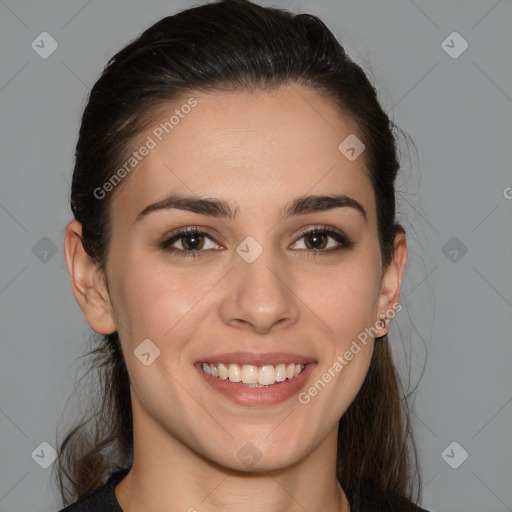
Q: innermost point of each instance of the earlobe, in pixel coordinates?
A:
(88, 282)
(391, 281)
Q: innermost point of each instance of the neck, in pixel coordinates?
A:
(167, 475)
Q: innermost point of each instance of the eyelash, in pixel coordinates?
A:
(337, 235)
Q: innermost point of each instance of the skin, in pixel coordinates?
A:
(258, 151)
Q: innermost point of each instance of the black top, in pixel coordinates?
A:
(368, 499)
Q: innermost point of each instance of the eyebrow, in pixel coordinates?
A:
(222, 209)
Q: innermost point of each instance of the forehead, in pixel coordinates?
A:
(253, 148)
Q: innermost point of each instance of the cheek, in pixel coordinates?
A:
(152, 298)
(348, 307)
(335, 386)
(348, 297)
(158, 305)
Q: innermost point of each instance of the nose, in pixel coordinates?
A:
(259, 295)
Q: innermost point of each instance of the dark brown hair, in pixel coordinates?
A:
(232, 45)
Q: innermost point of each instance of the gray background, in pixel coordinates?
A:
(453, 194)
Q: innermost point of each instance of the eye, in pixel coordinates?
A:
(192, 241)
(316, 240)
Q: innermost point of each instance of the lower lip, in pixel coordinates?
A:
(243, 395)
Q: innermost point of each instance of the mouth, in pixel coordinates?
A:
(251, 379)
(253, 376)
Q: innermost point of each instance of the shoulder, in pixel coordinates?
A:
(369, 498)
(102, 499)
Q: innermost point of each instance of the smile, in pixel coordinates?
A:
(254, 376)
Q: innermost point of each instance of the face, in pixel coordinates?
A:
(248, 288)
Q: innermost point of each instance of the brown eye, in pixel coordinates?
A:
(316, 240)
(192, 242)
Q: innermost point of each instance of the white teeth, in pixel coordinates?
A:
(254, 376)
(234, 373)
(223, 371)
(266, 375)
(250, 374)
(280, 372)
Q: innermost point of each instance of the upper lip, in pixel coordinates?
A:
(256, 359)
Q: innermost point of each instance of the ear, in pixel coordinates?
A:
(88, 282)
(389, 298)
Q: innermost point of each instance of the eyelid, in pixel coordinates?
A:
(323, 228)
(189, 229)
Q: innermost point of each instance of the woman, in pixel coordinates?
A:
(235, 245)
